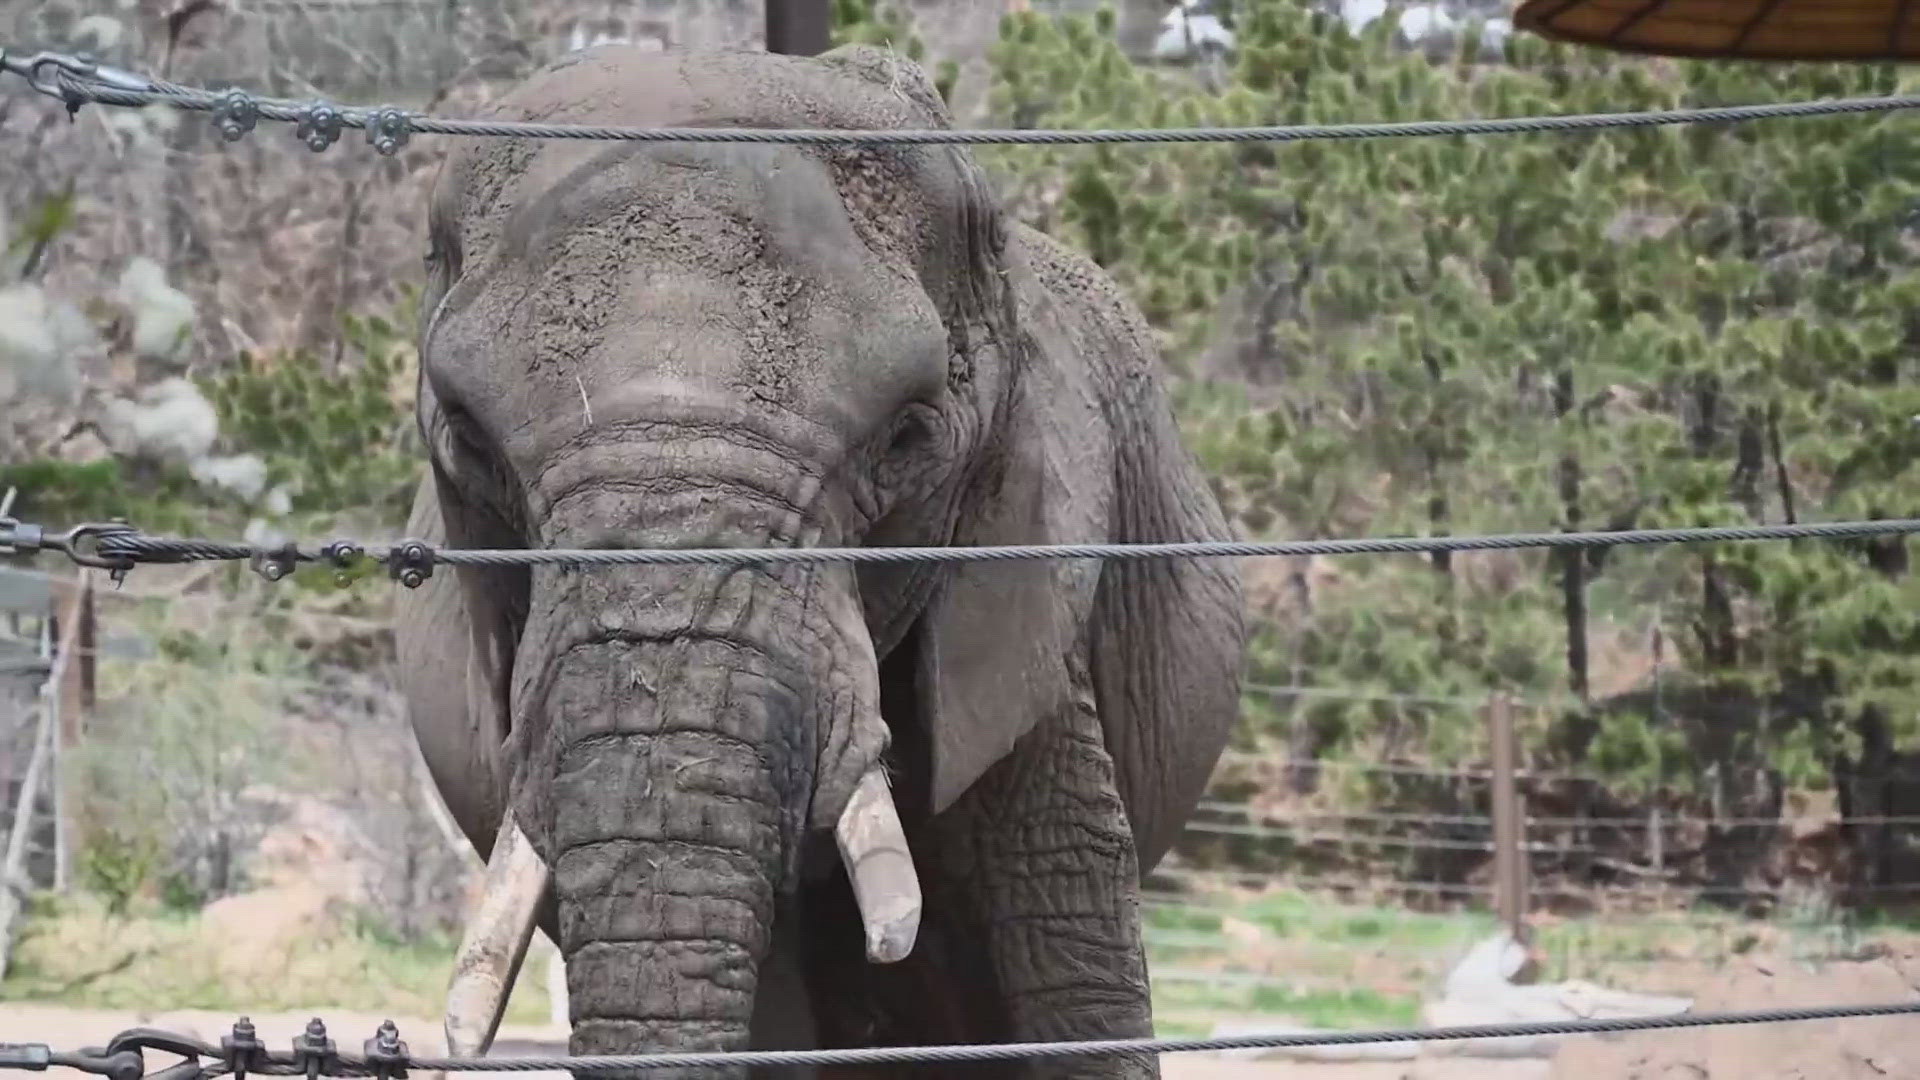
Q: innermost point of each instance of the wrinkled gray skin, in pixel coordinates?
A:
(677, 345)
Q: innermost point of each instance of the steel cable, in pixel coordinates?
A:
(75, 81)
(281, 1064)
(134, 548)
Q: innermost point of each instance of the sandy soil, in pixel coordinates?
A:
(1879, 1049)
(1876, 1049)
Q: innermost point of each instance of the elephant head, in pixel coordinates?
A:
(674, 345)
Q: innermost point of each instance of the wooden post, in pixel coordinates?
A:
(1656, 825)
(1657, 842)
(13, 854)
(74, 605)
(13, 617)
(799, 27)
(70, 694)
(1509, 857)
(40, 769)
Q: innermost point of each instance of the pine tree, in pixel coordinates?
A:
(1695, 325)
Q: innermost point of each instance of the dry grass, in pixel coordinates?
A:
(74, 953)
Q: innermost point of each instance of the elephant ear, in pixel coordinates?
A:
(997, 639)
(461, 629)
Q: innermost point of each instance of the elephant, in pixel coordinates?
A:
(811, 804)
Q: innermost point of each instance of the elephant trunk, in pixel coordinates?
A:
(680, 764)
(681, 729)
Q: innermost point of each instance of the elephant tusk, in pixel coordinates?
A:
(874, 848)
(495, 942)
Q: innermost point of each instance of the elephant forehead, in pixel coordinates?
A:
(679, 202)
(646, 273)
(905, 201)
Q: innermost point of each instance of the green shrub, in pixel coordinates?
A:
(342, 438)
(880, 22)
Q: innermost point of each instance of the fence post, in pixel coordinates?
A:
(799, 27)
(71, 695)
(1509, 857)
(13, 854)
(13, 861)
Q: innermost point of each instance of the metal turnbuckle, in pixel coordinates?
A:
(39, 1057)
(33, 68)
(190, 1051)
(81, 543)
(122, 1059)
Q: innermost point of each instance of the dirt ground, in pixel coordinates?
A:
(1877, 1049)
(1874, 1049)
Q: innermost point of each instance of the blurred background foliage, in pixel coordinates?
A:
(1695, 325)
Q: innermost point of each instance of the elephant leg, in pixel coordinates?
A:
(1039, 857)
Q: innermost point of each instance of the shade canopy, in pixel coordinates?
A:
(1833, 30)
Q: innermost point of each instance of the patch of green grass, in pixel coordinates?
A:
(1347, 1009)
(1364, 961)
(1175, 919)
(71, 951)
(1287, 914)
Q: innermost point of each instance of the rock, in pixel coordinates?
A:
(1535, 1004)
(1479, 990)
(1489, 967)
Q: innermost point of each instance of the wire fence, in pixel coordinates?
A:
(1221, 938)
(1244, 930)
(75, 81)
(385, 1054)
(119, 548)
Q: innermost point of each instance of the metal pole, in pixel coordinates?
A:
(799, 27)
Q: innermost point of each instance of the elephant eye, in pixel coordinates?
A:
(463, 440)
(912, 430)
(910, 450)
(475, 463)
